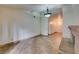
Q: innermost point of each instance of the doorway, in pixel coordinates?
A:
(55, 22)
(55, 28)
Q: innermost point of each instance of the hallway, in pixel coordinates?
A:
(21, 22)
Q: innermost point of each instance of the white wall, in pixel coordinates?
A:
(28, 27)
(17, 25)
(71, 17)
(44, 25)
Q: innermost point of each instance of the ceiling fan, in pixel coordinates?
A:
(47, 14)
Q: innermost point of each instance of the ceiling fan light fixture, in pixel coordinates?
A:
(47, 14)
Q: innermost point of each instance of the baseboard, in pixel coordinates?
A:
(50, 34)
(9, 43)
(43, 35)
(30, 37)
(14, 42)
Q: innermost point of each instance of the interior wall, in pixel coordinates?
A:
(71, 17)
(29, 26)
(44, 25)
(55, 22)
(17, 25)
(0, 28)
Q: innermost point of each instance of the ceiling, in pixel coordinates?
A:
(34, 8)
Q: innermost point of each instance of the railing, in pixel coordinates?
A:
(75, 36)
